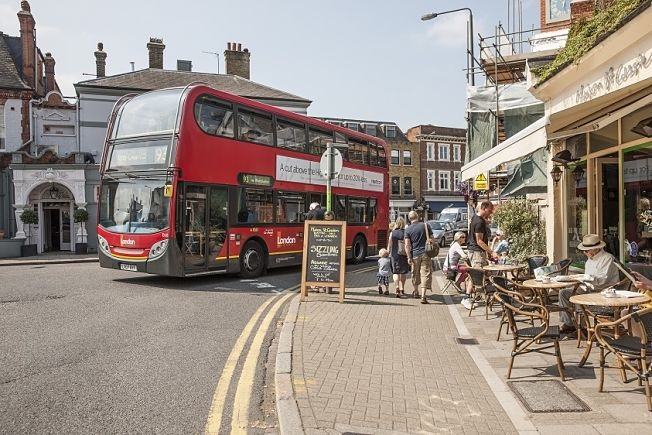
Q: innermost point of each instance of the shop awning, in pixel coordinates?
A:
(529, 177)
(521, 144)
(437, 206)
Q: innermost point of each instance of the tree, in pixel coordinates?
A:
(519, 220)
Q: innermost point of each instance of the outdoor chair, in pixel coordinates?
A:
(481, 290)
(515, 293)
(560, 268)
(533, 338)
(627, 349)
(597, 314)
(452, 283)
(533, 262)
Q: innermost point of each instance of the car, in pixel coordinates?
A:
(493, 228)
(442, 231)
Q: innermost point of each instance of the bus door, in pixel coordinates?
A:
(194, 228)
(218, 213)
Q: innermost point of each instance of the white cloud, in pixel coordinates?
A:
(449, 30)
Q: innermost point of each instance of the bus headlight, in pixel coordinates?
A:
(158, 249)
(104, 245)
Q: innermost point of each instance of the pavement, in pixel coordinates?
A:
(49, 258)
(379, 365)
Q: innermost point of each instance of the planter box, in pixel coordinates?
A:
(28, 251)
(10, 248)
(81, 248)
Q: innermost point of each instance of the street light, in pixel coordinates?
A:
(470, 79)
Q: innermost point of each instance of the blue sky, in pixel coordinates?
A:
(363, 59)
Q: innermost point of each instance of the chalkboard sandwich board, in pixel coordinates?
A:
(324, 255)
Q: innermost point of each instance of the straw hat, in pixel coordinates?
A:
(591, 241)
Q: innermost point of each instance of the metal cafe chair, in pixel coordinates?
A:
(533, 338)
(481, 290)
(627, 349)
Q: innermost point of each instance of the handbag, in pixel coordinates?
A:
(432, 247)
(401, 248)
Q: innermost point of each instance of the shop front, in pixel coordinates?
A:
(600, 112)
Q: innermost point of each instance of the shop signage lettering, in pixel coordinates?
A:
(324, 255)
(255, 180)
(613, 78)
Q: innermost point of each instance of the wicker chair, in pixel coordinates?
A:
(515, 293)
(481, 290)
(533, 262)
(534, 338)
(627, 349)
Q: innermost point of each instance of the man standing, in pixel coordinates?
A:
(415, 247)
(478, 243)
(316, 213)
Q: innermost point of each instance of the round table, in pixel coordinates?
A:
(504, 268)
(597, 300)
(543, 287)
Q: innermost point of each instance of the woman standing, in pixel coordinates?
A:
(396, 248)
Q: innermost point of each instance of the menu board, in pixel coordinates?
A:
(324, 254)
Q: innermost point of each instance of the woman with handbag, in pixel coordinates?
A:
(398, 255)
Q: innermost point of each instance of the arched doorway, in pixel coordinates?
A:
(55, 209)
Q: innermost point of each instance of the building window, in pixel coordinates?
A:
(396, 186)
(457, 153)
(444, 180)
(390, 131)
(407, 186)
(431, 180)
(430, 151)
(457, 178)
(395, 155)
(407, 158)
(444, 150)
(352, 126)
(370, 129)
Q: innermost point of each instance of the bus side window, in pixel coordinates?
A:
(214, 117)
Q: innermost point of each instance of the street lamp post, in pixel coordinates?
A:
(470, 79)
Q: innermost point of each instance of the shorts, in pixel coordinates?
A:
(382, 280)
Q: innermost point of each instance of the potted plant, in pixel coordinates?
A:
(519, 220)
(28, 217)
(80, 216)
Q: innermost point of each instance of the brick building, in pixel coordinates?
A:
(441, 153)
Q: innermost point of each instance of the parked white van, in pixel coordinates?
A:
(458, 216)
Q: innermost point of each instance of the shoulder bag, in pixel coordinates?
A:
(401, 247)
(432, 247)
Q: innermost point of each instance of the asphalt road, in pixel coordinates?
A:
(91, 350)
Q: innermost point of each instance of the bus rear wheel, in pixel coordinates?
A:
(252, 260)
(358, 250)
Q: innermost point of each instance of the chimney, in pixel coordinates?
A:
(237, 60)
(100, 61)
(156, 47)
(28, 41)
(49, 73)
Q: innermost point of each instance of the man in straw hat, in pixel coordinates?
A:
(599, 266)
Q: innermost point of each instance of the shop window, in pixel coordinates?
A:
(604, 138)
(577, 217)
(637, 177)
(577, 145)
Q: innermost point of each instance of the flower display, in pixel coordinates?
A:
(646, 218)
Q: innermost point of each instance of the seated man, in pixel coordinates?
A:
(600, 266)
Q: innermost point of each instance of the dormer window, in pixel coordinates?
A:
(370, 129)
(390, 131)
(352, 125)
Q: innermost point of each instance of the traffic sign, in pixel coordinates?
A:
(480, 182)
(336, 167)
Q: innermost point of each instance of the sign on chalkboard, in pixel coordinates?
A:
(324, 253)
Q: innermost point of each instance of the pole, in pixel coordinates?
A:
(470, 43)
(329, 175)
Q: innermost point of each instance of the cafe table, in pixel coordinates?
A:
(598, 300)
(504, 268)
(543, 288)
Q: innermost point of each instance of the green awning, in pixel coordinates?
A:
(529, 175)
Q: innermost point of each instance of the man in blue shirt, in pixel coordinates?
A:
(415, 246)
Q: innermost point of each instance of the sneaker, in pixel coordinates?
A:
(466, 303)
(424, 300)
(380, 290)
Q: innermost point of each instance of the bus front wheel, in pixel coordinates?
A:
(358, 250)
(252, 260)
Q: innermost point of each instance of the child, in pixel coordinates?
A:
(384, 271)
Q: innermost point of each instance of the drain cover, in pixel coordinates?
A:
(461, 340)
(547, 396)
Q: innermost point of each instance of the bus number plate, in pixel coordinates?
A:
(129, 267)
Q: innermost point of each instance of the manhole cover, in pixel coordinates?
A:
(461, 340)
(547, 396)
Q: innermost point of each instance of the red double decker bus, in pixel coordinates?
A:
(194, 181)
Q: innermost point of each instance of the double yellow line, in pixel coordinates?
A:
(240, 418)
